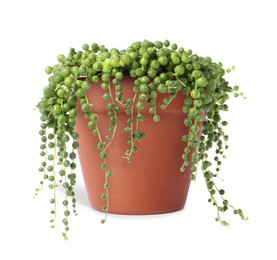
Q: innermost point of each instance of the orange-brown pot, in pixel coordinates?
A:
(152, 183)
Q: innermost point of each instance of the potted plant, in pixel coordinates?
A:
(148, 115)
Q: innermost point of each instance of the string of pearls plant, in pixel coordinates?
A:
(157, 67)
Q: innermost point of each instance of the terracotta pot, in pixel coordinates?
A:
(152, 183)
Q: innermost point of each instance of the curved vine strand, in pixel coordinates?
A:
(115, 115)
(132, 140)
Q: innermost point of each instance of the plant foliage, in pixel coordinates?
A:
(157, 68)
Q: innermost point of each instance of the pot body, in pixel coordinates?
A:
(152, 182)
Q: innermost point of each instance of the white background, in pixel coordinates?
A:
(239, 33)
